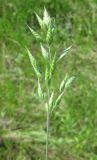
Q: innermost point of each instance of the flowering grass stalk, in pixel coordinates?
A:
(51, 102)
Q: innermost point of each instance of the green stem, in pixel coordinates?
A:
(47, 124)
(47, 137)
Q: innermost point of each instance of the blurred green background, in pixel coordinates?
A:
(22, 118)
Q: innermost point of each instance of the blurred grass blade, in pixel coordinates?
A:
(46, 107)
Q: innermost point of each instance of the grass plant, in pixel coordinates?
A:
(46, 76)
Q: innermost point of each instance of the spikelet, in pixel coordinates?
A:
(64, 53)
(40, 21)
(57, 102)
(49, 35)
(51, 100)
(69, 81)
(33, 63)
(62, 85)
(46, 17)
(52, 66)
(47, 77)
(40, 93)
(44, 52)
(35, 34)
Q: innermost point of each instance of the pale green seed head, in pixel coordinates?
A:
(46, 17)
(35, 34)
(33, 63)
(44, 52)
(62, 85)
(69, 81)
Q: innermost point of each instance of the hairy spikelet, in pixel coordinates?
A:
(53, 64)
(49, 35)
(47, 74)
(35, 34)
(69, 81)
(44, 52)
(46, 17)
(57, 102)
(62, 85)
(33, 63)
(64, 53)
(51, 100)
(40, 93)
(40, 21)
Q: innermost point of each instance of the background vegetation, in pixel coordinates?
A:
(22, 119)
